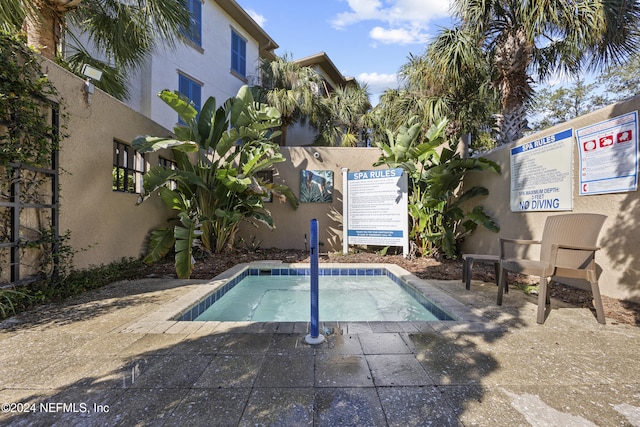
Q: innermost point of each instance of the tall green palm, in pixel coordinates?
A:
(342, 122)
(462, 83)
(14, 12)
(290, 88)
(523, 38)
(457, 90)
(395, 105)
(124, 32)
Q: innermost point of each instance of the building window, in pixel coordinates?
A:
(238, 54)
(192, 90)
(128, 168)
(194, 32)
(168, 164)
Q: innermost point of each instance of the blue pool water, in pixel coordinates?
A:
(283, 295)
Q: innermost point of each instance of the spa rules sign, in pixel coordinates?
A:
(375, 211)
(541, 174)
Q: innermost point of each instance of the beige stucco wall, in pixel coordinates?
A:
(619, 257)
(105, 225)
(292, 225)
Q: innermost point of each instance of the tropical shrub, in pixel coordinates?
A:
(436, 201)
(215, 184)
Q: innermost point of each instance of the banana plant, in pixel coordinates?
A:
(436, 201)
(215, 184)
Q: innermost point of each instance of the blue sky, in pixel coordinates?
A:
(366, 39)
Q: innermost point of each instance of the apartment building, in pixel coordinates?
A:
(222, 53)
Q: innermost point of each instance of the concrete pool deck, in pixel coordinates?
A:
(92, 361)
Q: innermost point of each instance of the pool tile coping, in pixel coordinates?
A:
(163, 320)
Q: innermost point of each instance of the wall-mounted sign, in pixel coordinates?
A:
(609, 155)
(541, 178)
(375, 208)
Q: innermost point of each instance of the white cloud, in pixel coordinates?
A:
(378, 83)
(361, 10)
(401, 36)
(260, 19)
(419, 10)
(403, 21)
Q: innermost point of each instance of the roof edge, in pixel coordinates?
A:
(320, 59)
(266, 44)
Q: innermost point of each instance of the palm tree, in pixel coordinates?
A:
(456, 72)
(456, 90)
(290, 88)
(342, 123)
(393, 109)
(123, 32)
(520, 38)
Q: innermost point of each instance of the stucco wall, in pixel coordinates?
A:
(105, 225)
(619, 257)
(292, 225)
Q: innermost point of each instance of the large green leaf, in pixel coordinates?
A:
(146, 144)
(230, 216)
(160, 243)
(471, 193)
(260, 158)
(180, 104)
(448, 244)
(185, 236)
(184, 133)
(228, 139)
(211, 124)
(285, 191)
(479, 216)
(158, 177)
(234, 182)
(206, 121)
(436, 132)
(174, 199)
(264, 218)
(489, 165)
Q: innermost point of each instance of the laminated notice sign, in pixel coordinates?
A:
(609, 155)
(375, 210)
(541, 177)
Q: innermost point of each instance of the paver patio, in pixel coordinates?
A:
(85, 364)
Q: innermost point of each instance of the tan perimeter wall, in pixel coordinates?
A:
(619, 257)
(292, 225)
(105, 225)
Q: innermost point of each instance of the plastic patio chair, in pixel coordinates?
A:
(567, 249)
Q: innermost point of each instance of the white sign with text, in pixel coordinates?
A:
(375, 210)
(609, 155)
(541, 177)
